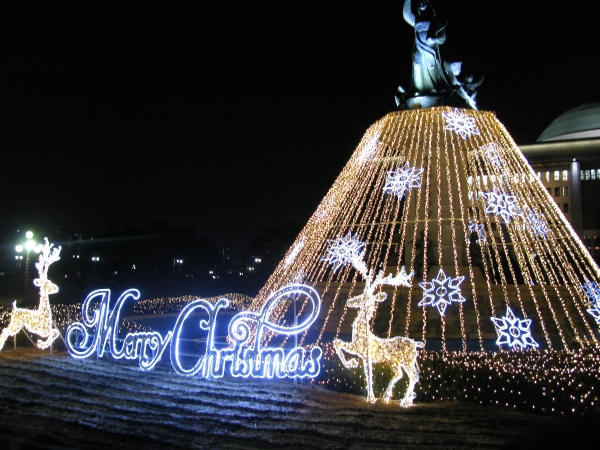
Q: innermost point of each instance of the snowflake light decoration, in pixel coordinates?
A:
(501, 204)
(292, 256)
(343, 250)
(460, 123)
(491, 153)
(477, 228)
(442, 291)
(592, 290)
(401, 180)
(537, 224)
(513, 331)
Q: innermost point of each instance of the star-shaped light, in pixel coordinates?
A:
(592, 290)
(513, 331)
(460, 123)
(501, 204)
(343, 250)
(401, 180)
(442, 291)
(491, 153)
(537, 224)
(294, 252)
(477, 228)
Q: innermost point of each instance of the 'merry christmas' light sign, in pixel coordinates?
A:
(245, 356)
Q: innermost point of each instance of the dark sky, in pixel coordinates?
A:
(240, 115)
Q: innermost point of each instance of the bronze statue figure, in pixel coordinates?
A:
(434, 81)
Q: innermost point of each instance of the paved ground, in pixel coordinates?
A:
(59, 402)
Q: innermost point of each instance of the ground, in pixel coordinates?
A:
(55, 401)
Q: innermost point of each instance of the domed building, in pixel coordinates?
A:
(566, 159)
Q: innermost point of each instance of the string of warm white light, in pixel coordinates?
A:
(527, 258)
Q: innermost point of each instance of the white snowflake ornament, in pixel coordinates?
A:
(537, 224)
(460, 123)
(343, 250)
(513, 331)
(442, 291)
(502, 204)
(592, 290)
(401, 180)
(477, 228)
(491, 153)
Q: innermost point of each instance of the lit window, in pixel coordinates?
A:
(540, 176)
(593, 174)
(557, 192)
(556, 175)
(581, 175)
(587, 174)
(565, 191)
(565, 175)
(565, 207)
(548, 177)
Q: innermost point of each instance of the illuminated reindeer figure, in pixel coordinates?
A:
(37, 321)
(399, 353)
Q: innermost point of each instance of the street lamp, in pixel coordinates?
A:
(95, 259)
(28, 245)
(177, 262)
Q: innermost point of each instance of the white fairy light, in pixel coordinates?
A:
(513, 331)
(460, 123)
(294, 252)
(399, 353)
(37, 321)
(537, 224)
(501, 204)
(401, 180)
(343, 250)
(245, 357)
(477, 228)
(442, 291)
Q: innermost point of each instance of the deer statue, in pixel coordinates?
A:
(399, 353)
(37, 321)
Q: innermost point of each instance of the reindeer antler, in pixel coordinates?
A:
(48, 255)
(349, 249)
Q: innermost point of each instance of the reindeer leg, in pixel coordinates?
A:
(390, 389)
(410, 395)
(10, 330)
(369, 375)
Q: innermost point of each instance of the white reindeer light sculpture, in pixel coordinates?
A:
(37, 321)
(399, 353)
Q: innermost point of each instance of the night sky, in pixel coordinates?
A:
(240, 115)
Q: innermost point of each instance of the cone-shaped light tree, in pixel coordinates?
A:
(443, 195)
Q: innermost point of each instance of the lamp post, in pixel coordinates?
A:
(28, 245)
(178, 263)
(95, 259)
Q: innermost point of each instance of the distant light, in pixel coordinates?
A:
(19, 248)
(29, 234)
(29, 245)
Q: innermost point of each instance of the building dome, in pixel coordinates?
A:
(582, 122)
